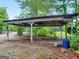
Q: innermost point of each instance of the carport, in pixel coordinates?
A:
(55, 20)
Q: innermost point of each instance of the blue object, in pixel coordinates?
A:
(65, 43)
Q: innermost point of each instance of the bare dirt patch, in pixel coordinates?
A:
(22, 49)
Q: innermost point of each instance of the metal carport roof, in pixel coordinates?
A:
(56, 20)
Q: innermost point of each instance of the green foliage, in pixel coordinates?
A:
(20, 30)
(74, 39)
(33, 8)
(43, 31)
(12, 28)
(3, 16)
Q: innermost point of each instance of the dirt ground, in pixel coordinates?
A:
(23, 49)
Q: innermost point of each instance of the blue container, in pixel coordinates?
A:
(65, 43)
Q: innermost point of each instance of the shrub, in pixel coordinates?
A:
(20, 30)
(75, 42)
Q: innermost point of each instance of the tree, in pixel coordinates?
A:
(34, 8)
(3, 16)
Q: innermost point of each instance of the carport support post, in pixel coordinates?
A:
(7, 32)
(66, 31)
(31, 32)
(72, 26)
(61, 30)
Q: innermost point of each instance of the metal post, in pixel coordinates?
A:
(66, 31)
(61, 34)
(61, 31)
(76, 5)
(31, 32)
(54, 32)
(25, 32)
(72, 27)
(76, 25)
(7, 32)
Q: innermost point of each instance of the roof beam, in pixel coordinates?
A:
(37, 20)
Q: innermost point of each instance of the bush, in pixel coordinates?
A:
(40, 31)
(75, 42)
(20, 30)
(43, 31)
